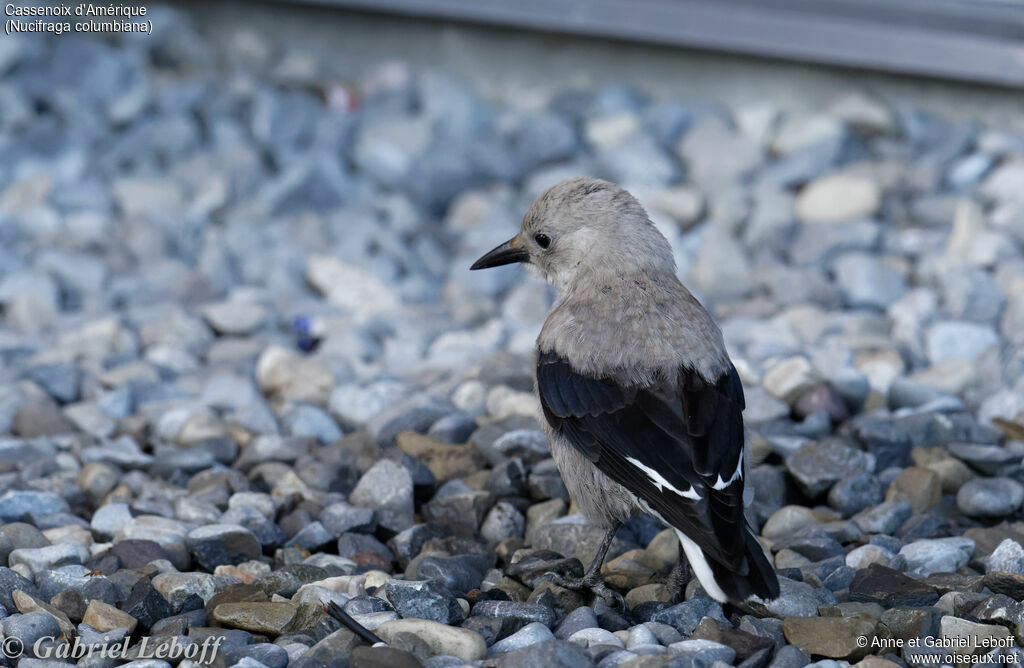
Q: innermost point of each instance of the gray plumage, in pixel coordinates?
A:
(641, 402)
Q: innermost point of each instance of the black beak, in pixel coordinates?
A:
(503, 254)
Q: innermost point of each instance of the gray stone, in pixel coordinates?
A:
(940, 555)
(884, 518)
(990, 497)
(303, 419)
(855, 493)
(519, 613)
(1008, 557)
(796, 599)
(424, 600)
(339, 518)
(581, 618)
(837, 198)
(235, 317)
(529, 444)
(703, 652)
(62, 381)
(387, 488)
(50, 557)
(15, 504)
(503, 521)
(817, 466)
(588, 637)
(219, 544)
(684, 617)
(959, 340)
(868, 281)
(989, 459)
(531, 634)
(11, 581)
(30, 627)
(108, 519)
(416, 414)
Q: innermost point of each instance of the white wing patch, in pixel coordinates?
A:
(659, 481)
(737, 474)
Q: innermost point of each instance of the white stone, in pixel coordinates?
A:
(790, 378)
(684, 203)
(955, 339)
(503, 401)
(350, 287)
(285, 373)
(865, 555)
(802, 130)
(838, 198)
(606, 132)
(442, 639)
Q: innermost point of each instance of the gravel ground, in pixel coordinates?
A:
(246, 369)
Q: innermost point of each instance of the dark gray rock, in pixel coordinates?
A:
(61, 381)
(890, 588)
(550, 653)
(458, 574)
(855, 493)
(146, 604)
(388, 488)
(407, 544)
(218, 544)
(520, 614)
(531, 634)
(15, 504)
(528, 444)
(582, 617)
(424, 600)
(684, 617)
(884, 518)
(267, 654)
(339, 518)
(417, 414)
(883, 437)
(819, 465)
(30, 627)
(311, 537)
(989, 459)
(453, 428)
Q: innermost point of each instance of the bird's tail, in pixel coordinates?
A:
(724, 583)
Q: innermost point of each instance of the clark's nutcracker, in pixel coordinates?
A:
(641, 402)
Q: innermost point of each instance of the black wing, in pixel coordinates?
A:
(677, 446)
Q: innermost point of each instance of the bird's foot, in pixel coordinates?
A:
(591, 581)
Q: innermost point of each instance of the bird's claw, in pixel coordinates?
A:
(611, 597)
(593, 583)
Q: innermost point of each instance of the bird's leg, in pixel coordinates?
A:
(678, 579)
(334, 610)
(592, 578)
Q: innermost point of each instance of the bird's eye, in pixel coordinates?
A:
(542, 240)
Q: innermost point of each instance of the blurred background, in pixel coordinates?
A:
(234, 276)
(318, 175)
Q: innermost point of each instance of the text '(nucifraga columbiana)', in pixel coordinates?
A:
(641, 402)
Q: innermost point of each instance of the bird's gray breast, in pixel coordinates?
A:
(599, 497)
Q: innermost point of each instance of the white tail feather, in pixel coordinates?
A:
(701, 569)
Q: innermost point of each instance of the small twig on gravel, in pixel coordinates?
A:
(334, 610)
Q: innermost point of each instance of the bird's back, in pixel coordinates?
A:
(635, 327)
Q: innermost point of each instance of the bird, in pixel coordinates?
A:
(642, 406)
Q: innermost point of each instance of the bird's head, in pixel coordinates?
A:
(584, 227)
